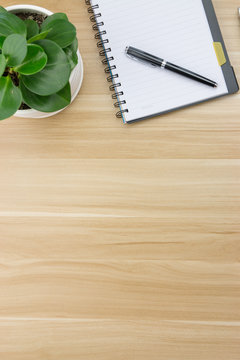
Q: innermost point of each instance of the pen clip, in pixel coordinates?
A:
(138, 60)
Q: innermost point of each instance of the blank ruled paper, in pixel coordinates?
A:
(175, 30)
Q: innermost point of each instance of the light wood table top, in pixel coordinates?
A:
(121, 242)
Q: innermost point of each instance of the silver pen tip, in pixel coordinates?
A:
(126, 49)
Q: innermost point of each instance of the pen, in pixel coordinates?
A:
(156, 61)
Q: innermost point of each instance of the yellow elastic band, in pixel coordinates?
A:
(219, 53)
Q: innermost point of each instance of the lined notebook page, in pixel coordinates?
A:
(175, 30)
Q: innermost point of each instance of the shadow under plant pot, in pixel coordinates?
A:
(76, 76)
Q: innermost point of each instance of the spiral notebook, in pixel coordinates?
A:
(185, 32)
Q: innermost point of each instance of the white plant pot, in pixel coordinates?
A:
(76, 77)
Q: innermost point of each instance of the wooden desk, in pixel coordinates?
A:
(121, 242)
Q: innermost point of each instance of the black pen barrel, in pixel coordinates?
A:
(156, 61)
(190, 74)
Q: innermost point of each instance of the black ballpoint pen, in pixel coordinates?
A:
(156, 61)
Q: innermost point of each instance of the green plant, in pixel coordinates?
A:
(36, 62)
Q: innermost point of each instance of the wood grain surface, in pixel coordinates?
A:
(121, 242)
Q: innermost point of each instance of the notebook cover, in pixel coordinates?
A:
(227, 69)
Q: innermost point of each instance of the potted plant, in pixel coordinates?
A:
(41, 68)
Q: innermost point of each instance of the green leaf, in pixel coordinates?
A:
(54, 76)
(49, 103)
(70, 51)
(2, 10)
(72, 56)
(14, 49)
(10, 97)
(62, 32)
(32, 28)
(34, 62)
(74, 45)
(2, 39)
(2, 64)
(56, 16)
(11, 24)
(40, 36)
